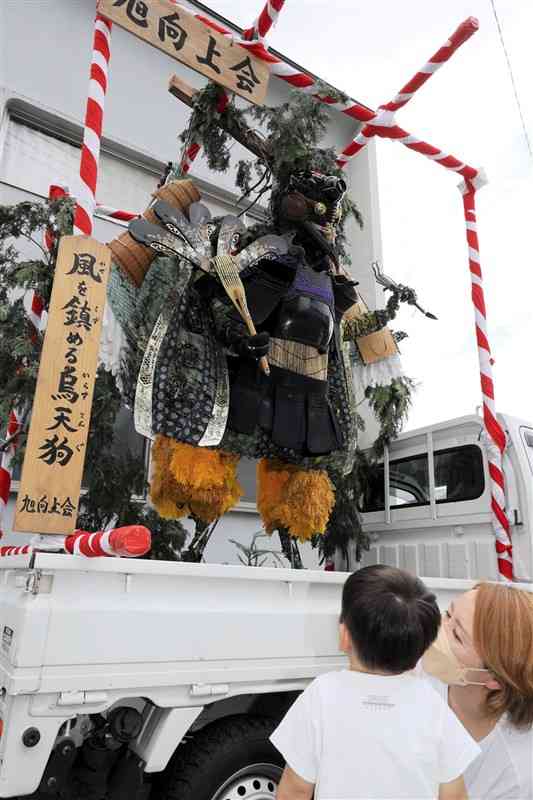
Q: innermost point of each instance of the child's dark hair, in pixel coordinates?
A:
(391, 617)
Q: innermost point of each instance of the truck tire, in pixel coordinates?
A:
(232, 759)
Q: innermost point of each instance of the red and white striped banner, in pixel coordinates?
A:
(92, 134)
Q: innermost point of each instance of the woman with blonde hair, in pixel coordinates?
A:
(483, 662)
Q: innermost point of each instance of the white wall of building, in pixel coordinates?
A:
(44, 66)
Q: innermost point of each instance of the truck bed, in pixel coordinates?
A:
(79, 635)
(110, 624)
(105, 625)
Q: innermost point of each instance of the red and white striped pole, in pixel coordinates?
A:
(384, 125)
(130, 541)
(115, 213)
(496, 440)
(92, 134)
(6, 471)
(383, 122)
(465, 30)
(16, 550)
(351, 108)
(266, 19)
(385, 128)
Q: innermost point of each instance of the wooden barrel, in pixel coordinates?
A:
(134, 259)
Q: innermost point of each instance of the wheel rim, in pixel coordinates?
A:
(254, 782)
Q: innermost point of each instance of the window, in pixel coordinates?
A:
(32, 160)
(409, 484)
(459, 476)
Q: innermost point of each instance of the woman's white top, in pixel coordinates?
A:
(504, 769)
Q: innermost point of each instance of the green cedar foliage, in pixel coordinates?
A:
(114, 483)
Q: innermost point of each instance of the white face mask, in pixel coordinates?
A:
(440, 661)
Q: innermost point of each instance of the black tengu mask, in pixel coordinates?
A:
(313, 201)
(313, 197)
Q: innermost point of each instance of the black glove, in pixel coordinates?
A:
(253, 347)
(344, 292)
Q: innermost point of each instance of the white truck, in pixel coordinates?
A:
(129, 679)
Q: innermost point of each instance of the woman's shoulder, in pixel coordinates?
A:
(507, 759)
(519, 742)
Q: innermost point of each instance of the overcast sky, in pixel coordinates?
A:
(370, 50)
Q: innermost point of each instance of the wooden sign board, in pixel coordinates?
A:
(180, 35)
(377, 346)
(49, 491)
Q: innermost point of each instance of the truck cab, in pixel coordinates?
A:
(428, 505)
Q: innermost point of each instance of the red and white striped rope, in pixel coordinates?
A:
(495, 440)
(304, 82)
(130, 541)
(90, 152)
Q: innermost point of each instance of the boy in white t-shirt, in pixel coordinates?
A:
(376, 731)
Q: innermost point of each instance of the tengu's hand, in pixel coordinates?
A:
(254, 347)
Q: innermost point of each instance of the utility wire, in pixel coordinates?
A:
(515, 90)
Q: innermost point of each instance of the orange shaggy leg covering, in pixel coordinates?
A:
(193, 479)
(165, 494)
(292, 498)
